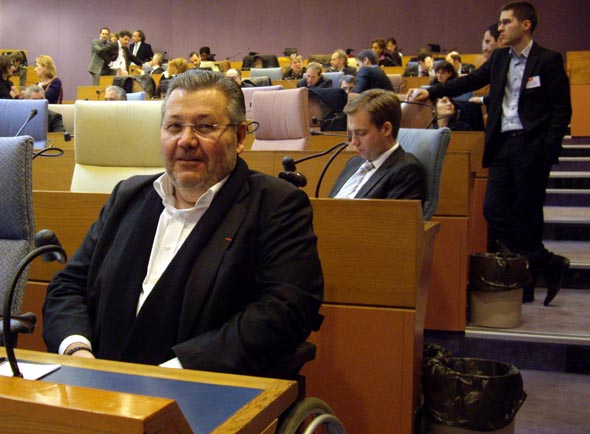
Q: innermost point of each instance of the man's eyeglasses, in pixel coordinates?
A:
(201, 130)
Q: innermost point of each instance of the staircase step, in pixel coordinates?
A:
(568, 197)
(579, 164)
(566, 215)
(576, 150)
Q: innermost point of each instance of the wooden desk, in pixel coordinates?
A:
(58, 403)
(91, 93)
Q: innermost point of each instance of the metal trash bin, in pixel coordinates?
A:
(495, 289)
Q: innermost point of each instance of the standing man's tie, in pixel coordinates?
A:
(351, 187)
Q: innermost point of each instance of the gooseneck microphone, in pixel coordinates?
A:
(291, 175)
(49, 248)
(31, 116)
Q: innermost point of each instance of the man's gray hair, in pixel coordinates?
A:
(198, 79)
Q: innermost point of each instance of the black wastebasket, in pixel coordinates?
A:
(473, 394)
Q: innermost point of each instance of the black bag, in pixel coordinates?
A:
(498, 272)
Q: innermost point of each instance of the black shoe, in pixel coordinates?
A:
(528, 291)
(553, 275)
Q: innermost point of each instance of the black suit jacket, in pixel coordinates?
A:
(401, 176)
(253, 291)
(323, 83)
(544, 110)
(55, 122)
(110, 53)
(371, 77)
(144, 53)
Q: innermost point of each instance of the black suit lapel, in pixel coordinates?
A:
(374, 180)
(531, 64)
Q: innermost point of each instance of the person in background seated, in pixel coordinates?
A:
(462, 68)
(339, 62)
(393, 50)
(20, 70)
(139, 48)
(7, 89)
(347, 82)
(51, 84)
(383, 170)
(314, 77)
(490, 41)
(443, 71)
(369, 75)
(296, 69)
(115, 93)
(208, 266)
(206, 55)
(424, 68)
(383, 57)
(175, 67)
(448, 116)
(195, 59)
(156, 64)
(236, 76)
(55, 122)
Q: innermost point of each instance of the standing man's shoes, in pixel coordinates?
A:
(553, 275)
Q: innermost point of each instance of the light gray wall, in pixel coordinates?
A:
(64, 28)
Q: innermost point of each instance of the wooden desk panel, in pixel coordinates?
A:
(91, 93)
(255, 417)
(54, 173)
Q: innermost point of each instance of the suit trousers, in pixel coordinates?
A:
(514, 199)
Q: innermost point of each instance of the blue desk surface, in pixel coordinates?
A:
(205, 406)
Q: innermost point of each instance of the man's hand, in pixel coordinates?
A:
(417, 95)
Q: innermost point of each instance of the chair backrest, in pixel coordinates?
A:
(260, 81)
(430, 148)
(418, 115)
(136, 96)
(14, 113)
(67, 115)
(273, 73)
(396, 81)
(283, 118)
(17, 222)
(249, 91)
(268, 60)
(334, 76)
(115, 140)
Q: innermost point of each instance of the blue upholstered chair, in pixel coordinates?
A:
(430, 148)
(136, 96)
(17, 223)
(14, 114)
(334, 76)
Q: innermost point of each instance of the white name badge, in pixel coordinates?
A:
(533, 82)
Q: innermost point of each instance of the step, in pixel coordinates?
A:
(567, 197)
(573, 180)
(572, 164)
(578, 252)
(566, 215)
(576, 150)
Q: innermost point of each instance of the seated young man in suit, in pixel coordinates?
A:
(369, 75)
(207, 266)
(383, 170)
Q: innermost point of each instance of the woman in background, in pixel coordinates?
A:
(51, 84)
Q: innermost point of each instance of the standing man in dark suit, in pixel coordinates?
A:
(383, 170)
(369, 75)
(529, 110)
(208, 266)
(117, 57)
(97, 62)
(139, 48)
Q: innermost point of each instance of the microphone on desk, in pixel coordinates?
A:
(49, 248)
(31, 116)
(298, 179)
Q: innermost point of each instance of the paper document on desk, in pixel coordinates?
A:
(30, 371)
